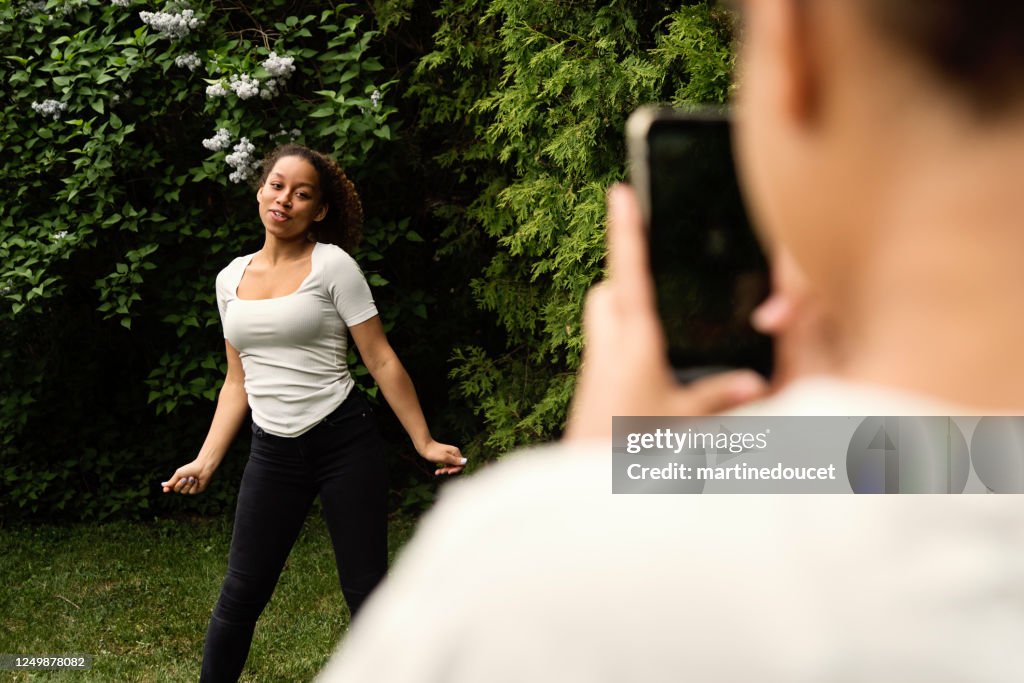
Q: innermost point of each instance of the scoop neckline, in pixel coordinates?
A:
(298, 289)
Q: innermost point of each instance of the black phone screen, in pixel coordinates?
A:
(709, 270)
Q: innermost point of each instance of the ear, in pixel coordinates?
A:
(321, 214)
(259, 193)
(790, 33)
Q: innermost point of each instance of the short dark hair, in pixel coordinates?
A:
(344, 220)
(977, 46)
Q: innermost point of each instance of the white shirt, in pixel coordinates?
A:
(294, 348)
(533, 571)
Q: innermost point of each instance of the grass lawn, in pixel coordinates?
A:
(137, 597)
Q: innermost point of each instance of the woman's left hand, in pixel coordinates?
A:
(448, 458)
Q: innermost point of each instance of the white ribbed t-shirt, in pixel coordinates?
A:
(294, 348)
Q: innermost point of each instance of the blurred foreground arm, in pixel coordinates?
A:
(625, 369)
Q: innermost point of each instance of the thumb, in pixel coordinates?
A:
(452, 456)
(455, 457)
(169, 484)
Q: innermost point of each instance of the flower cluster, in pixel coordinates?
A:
(58, 236)
(269, 89)
(245, 86)
(32, 8)
(191, 61)
(120, 3)
(216, 90)
(279, 67)
(220, 140)
(242, 160)
(375, 99)
(171, 24)
(70, 6)
(51, 108)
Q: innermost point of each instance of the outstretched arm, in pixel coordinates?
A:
(396, 385)
(232, 407)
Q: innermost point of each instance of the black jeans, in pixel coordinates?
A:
(342, 461)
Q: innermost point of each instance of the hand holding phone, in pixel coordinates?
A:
(625, 370)
(708, 268)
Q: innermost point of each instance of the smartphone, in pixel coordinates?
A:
(709, 270)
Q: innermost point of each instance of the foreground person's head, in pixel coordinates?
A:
(881, 143)
(851, 109)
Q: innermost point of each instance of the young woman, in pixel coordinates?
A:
(287, 313)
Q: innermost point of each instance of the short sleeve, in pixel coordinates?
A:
(222, 299)
(347, 287)
(227, 281)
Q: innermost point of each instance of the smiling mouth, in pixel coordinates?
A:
(279, 215)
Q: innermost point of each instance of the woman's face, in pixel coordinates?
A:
(290, 199)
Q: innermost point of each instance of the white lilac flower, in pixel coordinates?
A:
(279, 67)
(58, 236)
(51, 108)
(375, 99)
(245, 86)
(191, 61)
(120, 3)
(269, 88)
(32, 8)
(220, 140)
(216, 90)
(172, 25)
(242, 160)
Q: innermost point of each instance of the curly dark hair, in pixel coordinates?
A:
(344, 220)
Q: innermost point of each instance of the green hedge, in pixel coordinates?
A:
(530, 98)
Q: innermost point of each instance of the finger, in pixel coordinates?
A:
(598, 311)
(628, 261)
(719, 393)
(168, 486)
(444, 454)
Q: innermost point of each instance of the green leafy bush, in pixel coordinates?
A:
(128, 134)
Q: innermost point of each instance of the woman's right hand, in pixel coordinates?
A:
(188, 479)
